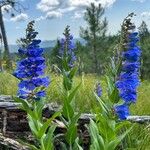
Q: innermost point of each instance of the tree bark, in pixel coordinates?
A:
(4, 37)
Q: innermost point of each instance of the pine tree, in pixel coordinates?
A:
(143, 31)
(145, 46)
(94, 34)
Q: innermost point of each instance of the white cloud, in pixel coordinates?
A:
(56, 8)
(40, 18)
(53, 14)
(20, 17)
(85, 3)
(49, 15)
(46, 5)
(68, 9)
(106, 3)
(78, 14)
(145, 14)
(79, 3)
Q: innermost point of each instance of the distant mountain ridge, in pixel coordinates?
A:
(44, 44)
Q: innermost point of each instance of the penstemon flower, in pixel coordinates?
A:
(128, 80)
(98, 90)
(30, 71)
(67, 49)
(122, 111)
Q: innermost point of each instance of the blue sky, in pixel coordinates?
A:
(53, 15)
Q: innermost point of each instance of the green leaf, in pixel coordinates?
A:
(71, 134)
(113, 144)
(102, 104)
(67, 82)
(97, 142)
(39, 105)
(75, 118)
(65, 64)
(76, 145)
(110, 85)
(32, 147)
(25, 106)
(113, 92)
(68, 111)
(72, 94)
(121, 125)
(24, 103)
(49, 139)
(73, 72)
(114, 97)
(46, 124)
(33, 125)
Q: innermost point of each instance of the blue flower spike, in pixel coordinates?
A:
(30, 71)
(128, 80)
(67, 49)
(122, 111)
(98, 90)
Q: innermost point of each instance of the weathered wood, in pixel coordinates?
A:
(135, 119)
(139, 119)
(13, 144)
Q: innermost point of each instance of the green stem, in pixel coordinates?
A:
(68, 115)
(42, 144)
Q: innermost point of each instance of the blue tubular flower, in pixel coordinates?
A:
(29, 70)
(129, 96)
(122, 111)
(67, 50)
(131, 67)
(133, 54)
(133, 36)
(128, 80)
(98, 90)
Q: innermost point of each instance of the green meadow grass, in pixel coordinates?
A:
(139, 138)
(85, 98)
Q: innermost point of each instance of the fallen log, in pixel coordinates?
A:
(13, 144)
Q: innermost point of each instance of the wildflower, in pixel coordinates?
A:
(29, 71)
(131, 67)
(98, 90)
(133, 54)
(67, 49)
(122, 111)
(128, 80)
